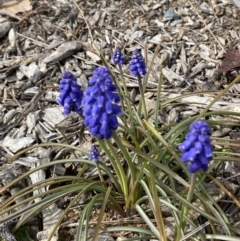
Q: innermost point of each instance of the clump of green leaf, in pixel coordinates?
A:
(145, 165)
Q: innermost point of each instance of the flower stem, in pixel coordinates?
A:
(115, 161)
(99, 172)
(125, 88)
(110, 156)
(142, 97)
(127, 158)
(126, 97)
(186, 208)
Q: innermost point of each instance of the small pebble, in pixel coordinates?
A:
(209, 86)
(170, 14)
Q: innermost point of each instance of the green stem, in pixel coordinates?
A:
(191, 191)
(119, 169)
(134, 189)
(168, 145)
(142, 97)
(125, 153)
(99, 172)
(113, 162)
(186, 208)
(126, 93)
(127, 157)
(158, 99)
(126, 98)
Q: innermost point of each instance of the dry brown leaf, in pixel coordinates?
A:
(15, 6)
(231, 61)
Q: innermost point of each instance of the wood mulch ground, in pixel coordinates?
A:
(41, 39)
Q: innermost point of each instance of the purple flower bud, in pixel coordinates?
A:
(94, 153)
(118, 57)
(137, 64)
(197, 148)
(70, 96)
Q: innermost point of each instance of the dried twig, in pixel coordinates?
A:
(10, 15)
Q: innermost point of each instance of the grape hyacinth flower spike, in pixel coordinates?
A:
(118, 57)
(100, 103)
(137, 64)
(138, 68)
(197, 148)
(94, 153)
(71, 95)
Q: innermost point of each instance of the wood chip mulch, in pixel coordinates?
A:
(37, 45)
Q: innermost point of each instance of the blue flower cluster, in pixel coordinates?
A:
(94, 153)
(71, 95)
(137, 64)
(118, 57)
(197, 147)
(100, 102)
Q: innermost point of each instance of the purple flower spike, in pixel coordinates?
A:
(94, 153)
(100, 103)
(71, 95)
(118, 57)
(137, 64)
(197, 148)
